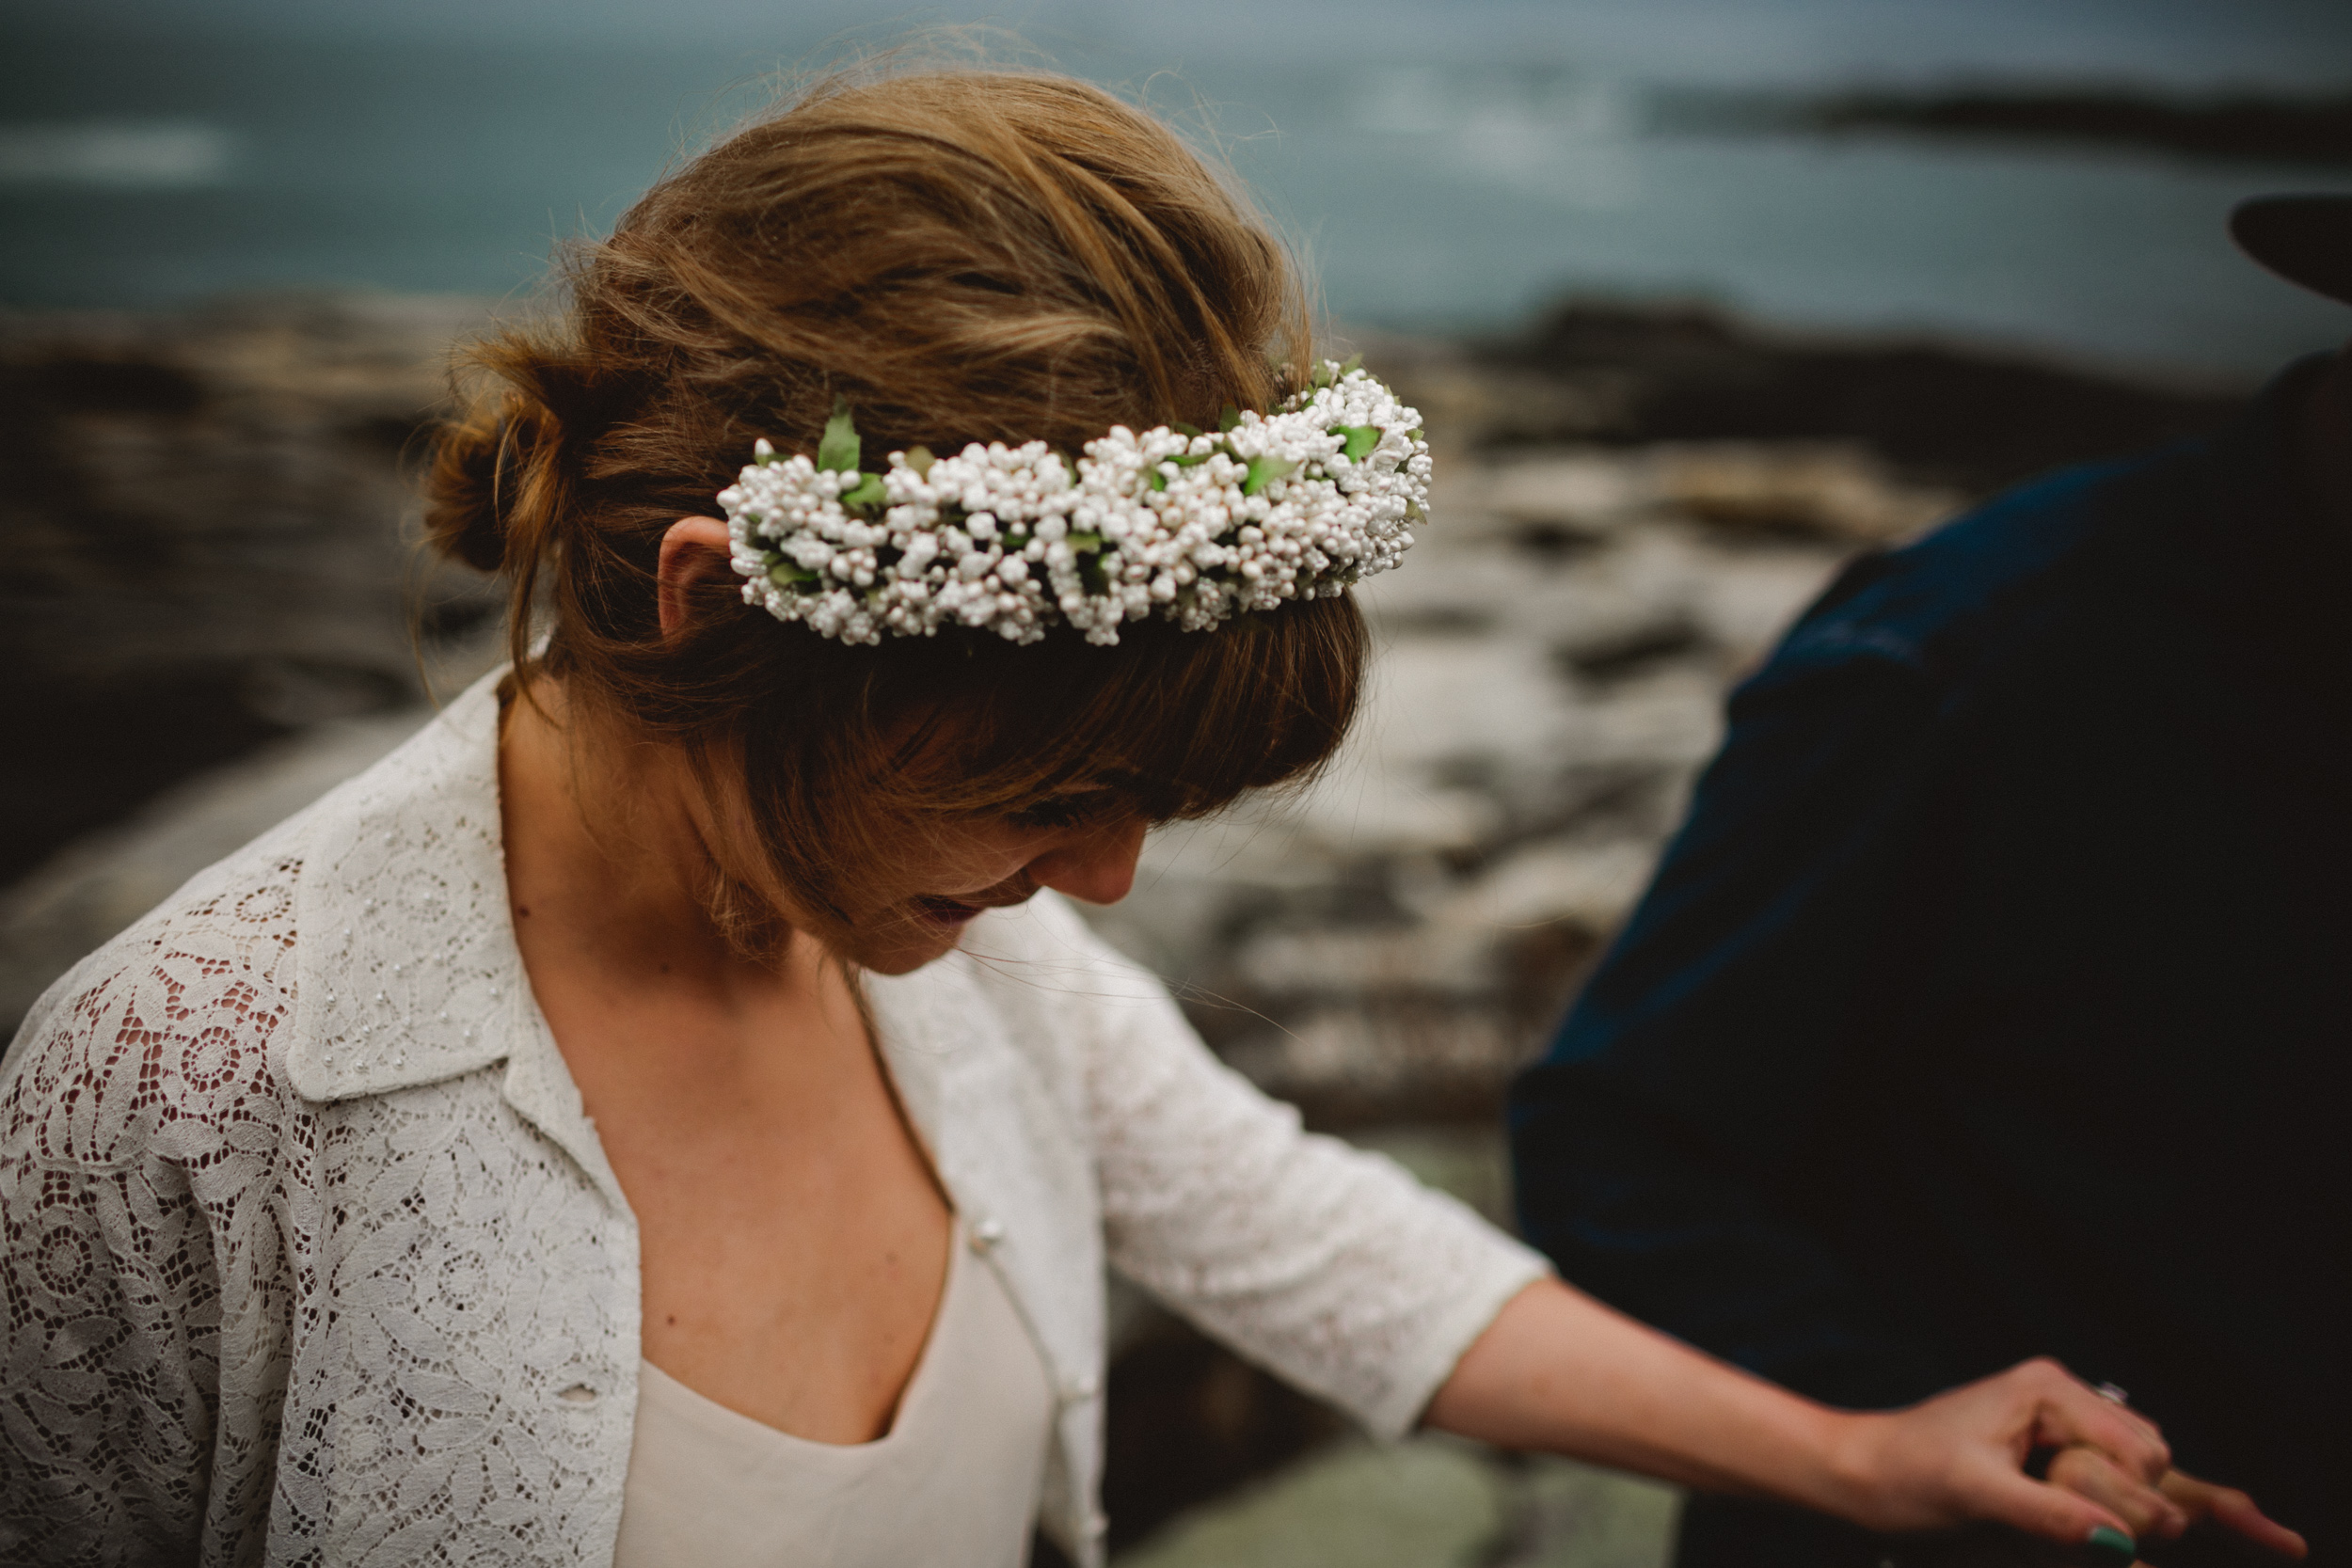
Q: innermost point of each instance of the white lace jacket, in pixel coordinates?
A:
(310, 1254)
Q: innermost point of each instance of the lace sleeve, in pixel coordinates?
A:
(138, 1132)
(1330, 1265)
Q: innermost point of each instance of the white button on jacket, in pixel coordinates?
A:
(312, 1256)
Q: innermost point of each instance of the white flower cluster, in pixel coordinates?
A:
(1295, 505)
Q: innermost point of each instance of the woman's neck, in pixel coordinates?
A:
(607, 863)
(792, 1240)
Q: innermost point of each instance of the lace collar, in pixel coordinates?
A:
(408, 972)
(406, 968)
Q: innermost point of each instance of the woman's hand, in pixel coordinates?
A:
(1558, 1371)
(1960, 1457)
(2093, 1475)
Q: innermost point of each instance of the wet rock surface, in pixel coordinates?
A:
(1429, 1502)
(1391, 942)
(210, 561)
(1937, 410)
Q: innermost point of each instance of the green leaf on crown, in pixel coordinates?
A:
(1186, 459)
(1265, 470)
(1228, 416)
(867, 492)
(1361, 439)
(789, 574)
(837, 452)
(919, 459)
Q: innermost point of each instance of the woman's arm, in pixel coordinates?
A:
(110, 1297)
(1558, 1371)
(1333, 1269)
(1731, 1018)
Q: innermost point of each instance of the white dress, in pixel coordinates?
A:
(954, 1482)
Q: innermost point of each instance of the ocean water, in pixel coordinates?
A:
(1441, 165)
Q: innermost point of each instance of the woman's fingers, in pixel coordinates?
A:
(2147, 1510)
(2012, 1498)
(1961, 1455)
(2071, 1414)
(2104, 1493)
(2234, 1510)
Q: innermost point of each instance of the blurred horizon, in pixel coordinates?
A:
(1443, 168)
(2276, 45)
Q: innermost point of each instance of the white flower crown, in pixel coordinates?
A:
(1295, 505)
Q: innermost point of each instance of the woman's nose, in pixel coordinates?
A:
(1097, 868)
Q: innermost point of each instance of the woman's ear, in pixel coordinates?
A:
(695, 551)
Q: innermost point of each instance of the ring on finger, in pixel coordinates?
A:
(2113, 1395)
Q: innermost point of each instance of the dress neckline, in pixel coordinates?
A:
(721, 1419)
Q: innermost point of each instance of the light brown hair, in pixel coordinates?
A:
(964, 255)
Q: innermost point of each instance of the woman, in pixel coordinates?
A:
(665, 1111)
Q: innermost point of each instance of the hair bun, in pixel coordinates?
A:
(468, 490)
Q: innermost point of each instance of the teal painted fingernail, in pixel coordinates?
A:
(2108, 1545)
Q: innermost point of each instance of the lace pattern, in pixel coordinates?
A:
(1330, 1266)
(142, 1141)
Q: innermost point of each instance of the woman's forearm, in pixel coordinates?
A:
(1558, 1371)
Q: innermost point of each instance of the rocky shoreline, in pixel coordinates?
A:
(2315, 131)
(2287, 128)
(213, 579)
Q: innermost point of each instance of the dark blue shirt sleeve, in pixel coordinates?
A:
(1734, 1026)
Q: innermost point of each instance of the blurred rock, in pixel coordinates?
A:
(1829, 490)
(1570, 1515)
(1392, 940)
(1591, 494)
(1591, 886)
(1832, 490)
(202, 539)
(1386, 1056)
(1428, 1502)
(1187, 1421)
(2271, 127)
(1938, 412)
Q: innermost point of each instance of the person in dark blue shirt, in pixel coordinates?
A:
(1993, 999)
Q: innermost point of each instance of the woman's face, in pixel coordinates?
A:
(1081, 841)
(916, 908)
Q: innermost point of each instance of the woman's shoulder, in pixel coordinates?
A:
(169, 1025)
(189, 1012)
